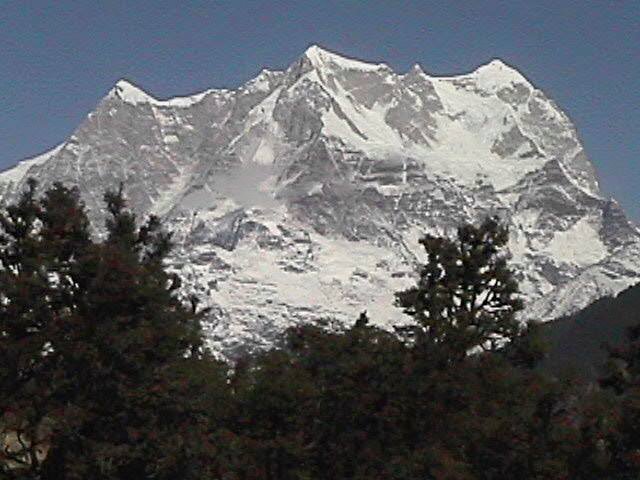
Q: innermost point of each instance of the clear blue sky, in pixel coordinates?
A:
(58, 58)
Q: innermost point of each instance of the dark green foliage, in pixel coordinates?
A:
(27, 318)
(622, 376)
(103, 366)
(593, 343)
(323, 407)
(466, 296)
(95, 346)
(362, 405)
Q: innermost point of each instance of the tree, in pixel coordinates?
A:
(40, 240)
(321, 407)
(94, 346)
(622, 376)
(466, 297)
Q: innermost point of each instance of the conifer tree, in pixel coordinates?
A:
(39, 240)
(622, 376)
(466, 296)
(94, 343)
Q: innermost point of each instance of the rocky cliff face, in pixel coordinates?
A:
(300, 196)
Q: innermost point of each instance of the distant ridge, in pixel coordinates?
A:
(578, 343)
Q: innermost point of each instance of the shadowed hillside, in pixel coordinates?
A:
(577, 342)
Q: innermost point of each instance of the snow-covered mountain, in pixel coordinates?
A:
(300, 196)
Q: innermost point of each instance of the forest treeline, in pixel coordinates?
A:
(104, 372)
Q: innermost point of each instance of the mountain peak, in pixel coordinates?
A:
(416, 69)
(500, 72)
(134, 95)
(322, 58)
(130, 93)
(316, 50)
(497, 63)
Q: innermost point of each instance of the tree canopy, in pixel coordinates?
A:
(93, 337)
(104, 372)
(466, 296)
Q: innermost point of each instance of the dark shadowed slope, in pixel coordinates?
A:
(578, 342)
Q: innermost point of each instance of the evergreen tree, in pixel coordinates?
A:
(94, 347)
(623, 377)
(40, 240)
(466, 297)
(104, 375)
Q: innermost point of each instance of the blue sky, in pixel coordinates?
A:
(58, 58)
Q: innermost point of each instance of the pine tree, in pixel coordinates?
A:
(94, 346)
(466, 296)
(40, 240)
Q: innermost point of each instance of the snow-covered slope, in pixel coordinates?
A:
(300, 196)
